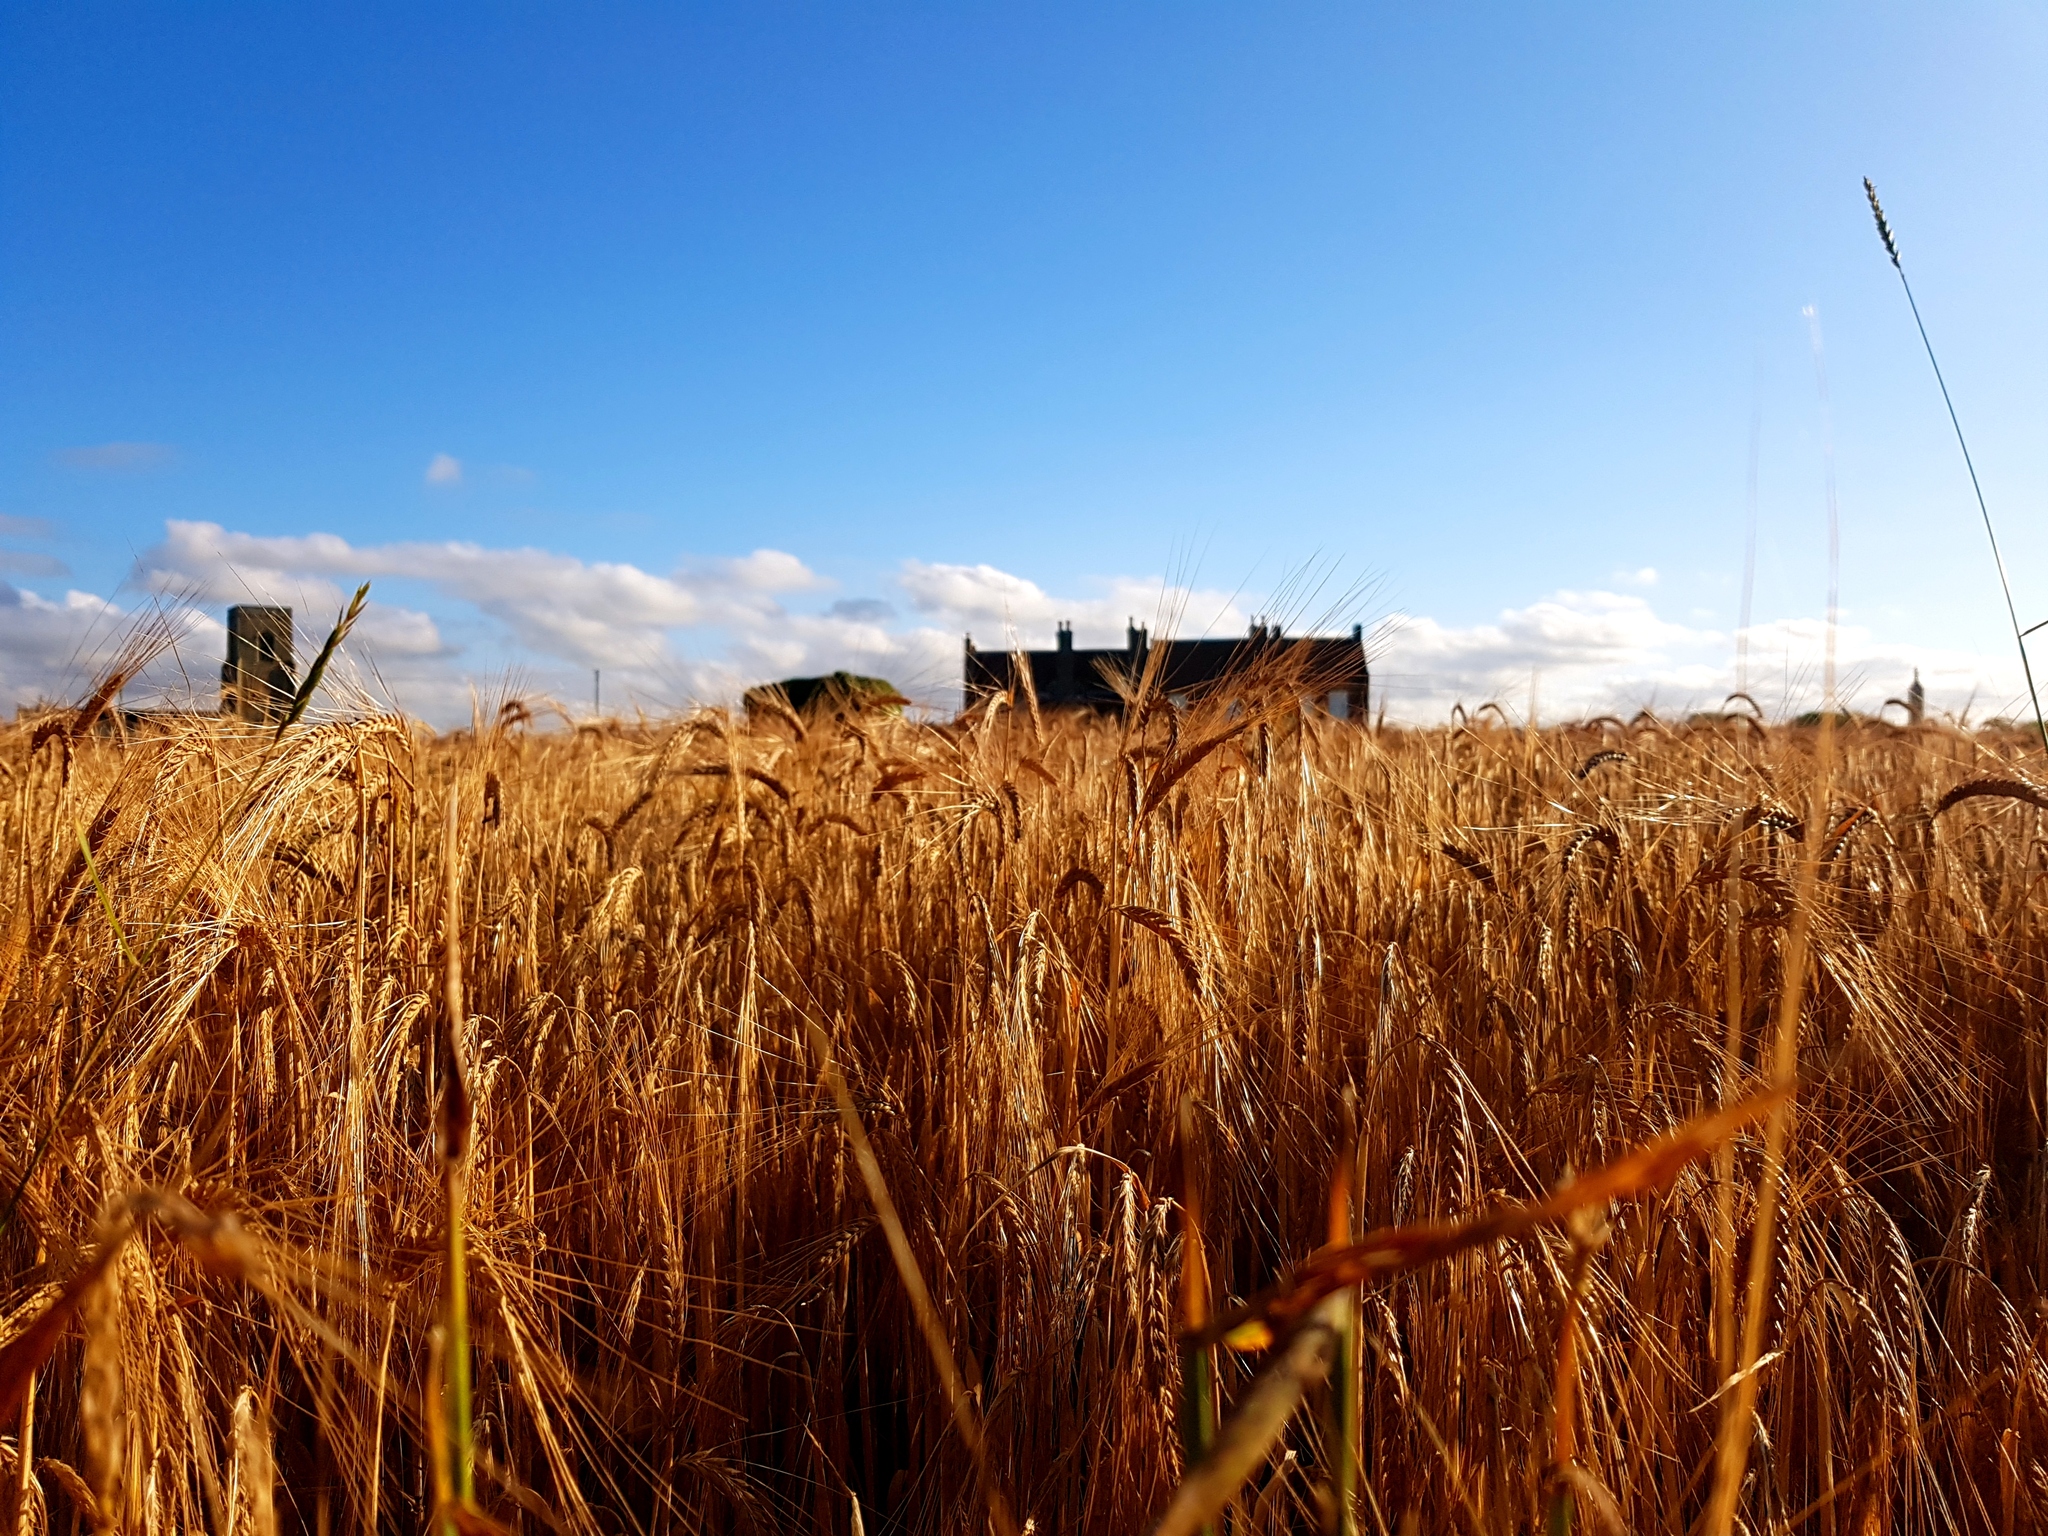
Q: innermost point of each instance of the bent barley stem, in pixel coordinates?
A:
(1197, 1361)
(965, 1417)
(455, 1130)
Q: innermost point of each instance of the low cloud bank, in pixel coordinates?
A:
(451, 621)
(1592, 653)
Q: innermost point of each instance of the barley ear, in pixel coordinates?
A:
(102, 1397)
(318, 670)
(1884, 228)
(255, 1470)
(24, 1354)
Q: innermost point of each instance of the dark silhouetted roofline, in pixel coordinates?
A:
(1066, 678)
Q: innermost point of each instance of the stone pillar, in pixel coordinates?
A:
(1358, 703)
(256, 682)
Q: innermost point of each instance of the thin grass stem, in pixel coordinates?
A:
(1884, 231)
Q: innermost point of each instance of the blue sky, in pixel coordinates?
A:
(974, 317)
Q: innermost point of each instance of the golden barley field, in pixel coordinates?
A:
(1073, 976)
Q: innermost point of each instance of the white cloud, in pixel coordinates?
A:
(1645, 577)
(770, 570)
(447, 617)
(554, 604)
(444, 469)
(1591, 653)
(704, 631)
(1000, 609)
(43, 641)
(51, 648)
(547, 609)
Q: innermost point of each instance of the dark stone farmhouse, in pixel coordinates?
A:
(1333, 672)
